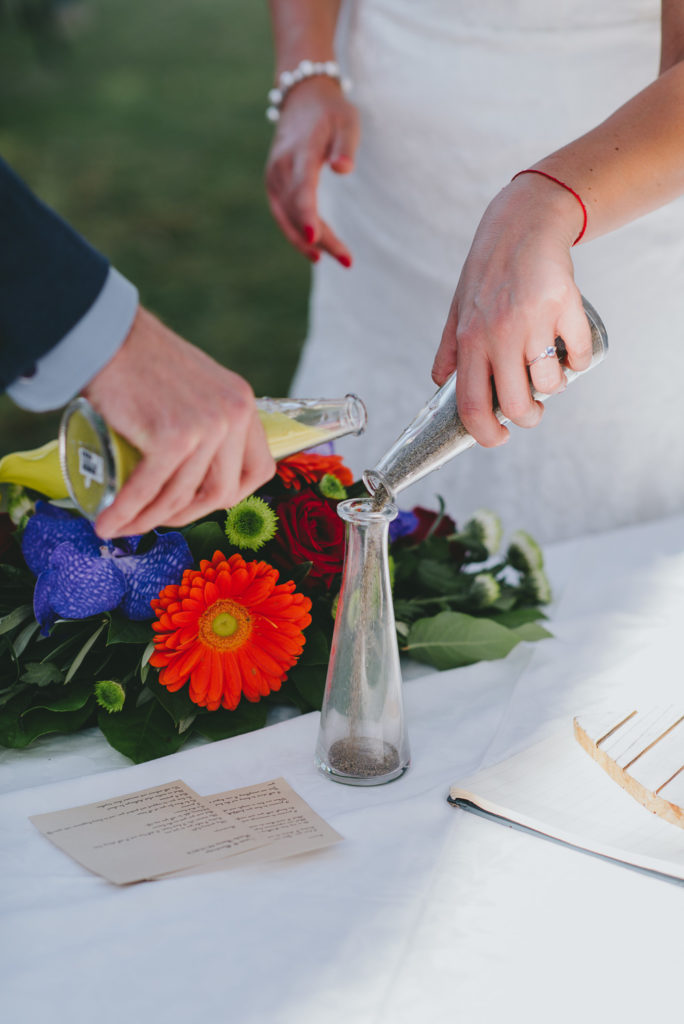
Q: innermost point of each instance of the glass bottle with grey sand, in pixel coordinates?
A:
(437, 435)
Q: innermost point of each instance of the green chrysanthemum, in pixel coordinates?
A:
(484, 530)
(110, 695)
(330, 487)
(536, 586)
(524, 553)
(251, 523)
(485, 590)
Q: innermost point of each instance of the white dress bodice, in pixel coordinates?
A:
(455, 97)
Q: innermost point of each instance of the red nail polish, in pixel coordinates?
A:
(314, 256)
(309, 233)
(345, 261)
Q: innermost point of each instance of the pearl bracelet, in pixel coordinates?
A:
(305, 69)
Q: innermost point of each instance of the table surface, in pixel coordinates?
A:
(423, 912)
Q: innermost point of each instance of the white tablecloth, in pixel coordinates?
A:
(424, 912)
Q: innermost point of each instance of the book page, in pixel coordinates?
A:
(146, 834)
(556, 789)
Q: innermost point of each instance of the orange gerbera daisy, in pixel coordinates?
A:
(231, 629)
(310, 468)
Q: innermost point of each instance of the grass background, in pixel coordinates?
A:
(142, 123)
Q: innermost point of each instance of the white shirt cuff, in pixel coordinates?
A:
(63, 371)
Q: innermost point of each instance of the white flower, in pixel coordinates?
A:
(484, 529)
(524, 553)
(485, 590)
(537, 585)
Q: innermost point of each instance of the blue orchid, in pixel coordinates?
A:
(79, 574)
(405, 523)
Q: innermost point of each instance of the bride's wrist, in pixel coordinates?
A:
(549, 205)
(326, 72)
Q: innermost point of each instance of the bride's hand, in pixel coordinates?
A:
(317, 125)
(515, 295)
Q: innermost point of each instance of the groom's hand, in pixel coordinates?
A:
(195, 423)
(317, 126)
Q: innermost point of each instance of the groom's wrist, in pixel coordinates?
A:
(90, 344)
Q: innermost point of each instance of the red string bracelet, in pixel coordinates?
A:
(533, 170)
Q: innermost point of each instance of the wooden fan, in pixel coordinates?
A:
(643, 751)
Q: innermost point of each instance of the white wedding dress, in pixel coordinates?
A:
(456, 96)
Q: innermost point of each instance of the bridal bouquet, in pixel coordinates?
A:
(199, 631)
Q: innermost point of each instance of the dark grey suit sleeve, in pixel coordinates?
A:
(49, 278)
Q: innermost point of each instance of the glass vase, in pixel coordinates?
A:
(362, 737)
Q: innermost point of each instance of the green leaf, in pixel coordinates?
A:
(357, 490)
(518, 616)
(11, 692)
(124, 631)
(177, 704)
(406, 611)
(24, 637)
(441, 578)
(288, 696)
(145, 667)
(39, 673)
(56, 647)
(65, 699)
(206, 538)
(9, 666)
(297, 573)
(435, 548)
(15, 618)
(452, 639)
(78, 660)
(222, 724)
(473, 551)
(532, 631)
(11, 732)
(406, 563)
(41, 722)
(147, 542)
(506, 601)
(142, 733)
(440, 516)
(16, 587)
(21, 723)
(309, 683)
(316, 649)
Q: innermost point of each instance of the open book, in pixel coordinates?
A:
(556, 790)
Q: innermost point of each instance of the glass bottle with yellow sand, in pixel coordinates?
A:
(90, 462)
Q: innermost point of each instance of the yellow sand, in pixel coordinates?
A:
(286, 436)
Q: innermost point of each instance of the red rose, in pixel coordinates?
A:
(426, 518)
(310, 530)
